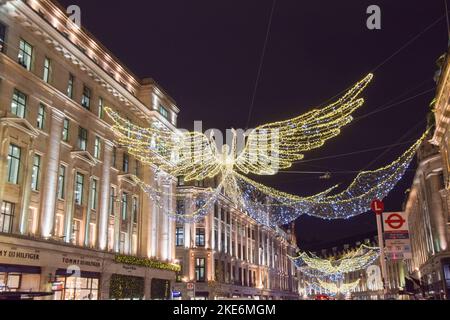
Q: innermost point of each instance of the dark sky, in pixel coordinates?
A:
(206, 55)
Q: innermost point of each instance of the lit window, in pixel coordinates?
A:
(124, 206)
(6, 217)
(36, 172)
(179, 236)
(14, 164)
(94, 195)
(19, 104)
(100, 107)
(65, 133)
(61, 182)
(97, 147)
(70, 86)
(41, 117)
(200, 266)
(163, 111)
(86, 98)
(200, 237)
(82, 139)
(79, 189)
(25, 56)
(47, 70)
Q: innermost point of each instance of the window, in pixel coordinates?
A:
(14, 164)
(114, 157)
(97, 147)
(125, 164)
(163, 111)
(100, 107)
(200, 266)
(41, 117)
(35, 173)
(200, 237)
(179, 236)
(124, 206)
(112, 201)
(2, 37)
(19, 104)
(94, 195)
(180, 181)
(25, 54)
(79, 189)
(135, 210)
(47, 70)
(65, 133)
(6, 217)
(70, 86)
(181, 207)
(82, 139)
(61, 182)
(136, 168)
(86, 98)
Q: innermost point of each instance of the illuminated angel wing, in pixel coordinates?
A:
(186, 154)
(275, 146)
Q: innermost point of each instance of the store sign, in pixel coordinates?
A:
(15, 255)
(396, 236)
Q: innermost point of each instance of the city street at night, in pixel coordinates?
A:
(220, 159)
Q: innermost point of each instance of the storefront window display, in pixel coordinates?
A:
(19, 278)
(84, 286)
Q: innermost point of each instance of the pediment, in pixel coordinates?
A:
(22, 125)
(85, 156)
(129, 178)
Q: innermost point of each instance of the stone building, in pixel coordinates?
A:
(71, 217)
(229, 255)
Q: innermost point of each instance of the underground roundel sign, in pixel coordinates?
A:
(394, 221)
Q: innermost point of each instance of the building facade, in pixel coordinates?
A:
(72, 219)
(228, 255)
(428, 202)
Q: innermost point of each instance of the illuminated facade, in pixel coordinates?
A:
(228, 255)
(427, 209)
(68, 202)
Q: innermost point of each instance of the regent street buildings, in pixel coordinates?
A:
(72, 220)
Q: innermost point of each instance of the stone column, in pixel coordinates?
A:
(146, 210)
(87, 223)
(4, 148)
(50, 186)
(163, 226)
(45, 284)
(105, 196)
(105, 283)
(26, 191)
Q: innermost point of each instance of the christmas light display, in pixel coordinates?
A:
(269, 148)
(333, 289)
(279, 208)
(335, 269)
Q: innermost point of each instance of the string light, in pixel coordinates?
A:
(269, 148)
(314, 266)
(279, 208)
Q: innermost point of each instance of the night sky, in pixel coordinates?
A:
(206, 55)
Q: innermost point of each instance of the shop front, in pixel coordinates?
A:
(76, 286)
(14, 278)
